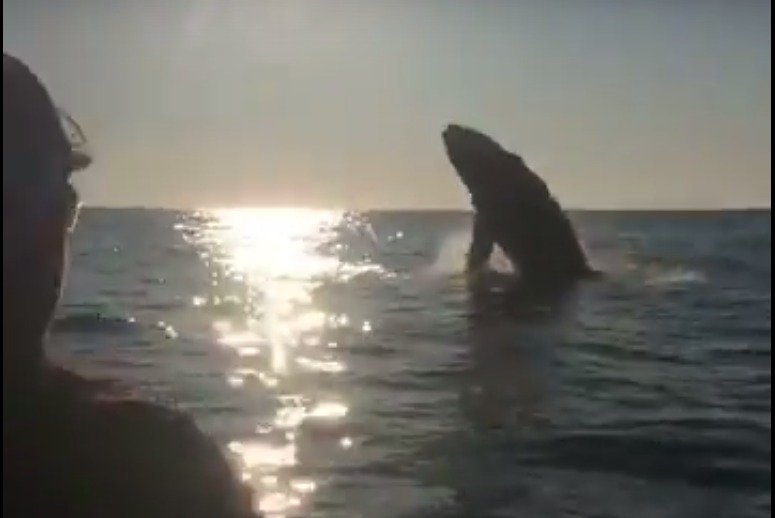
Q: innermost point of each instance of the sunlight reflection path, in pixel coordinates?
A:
(278, 335)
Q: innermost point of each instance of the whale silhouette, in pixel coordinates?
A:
(515, 210)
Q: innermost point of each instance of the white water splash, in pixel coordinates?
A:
(451, 256)
(675, 276)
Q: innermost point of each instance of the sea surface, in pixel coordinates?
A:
(347, 371)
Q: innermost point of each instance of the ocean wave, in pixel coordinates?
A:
(95, 323)
(704, 462)
(646, 393)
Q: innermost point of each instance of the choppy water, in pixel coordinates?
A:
(340, 361)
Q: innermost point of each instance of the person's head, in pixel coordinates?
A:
(39, 211)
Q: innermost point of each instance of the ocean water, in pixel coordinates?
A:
(347, 371)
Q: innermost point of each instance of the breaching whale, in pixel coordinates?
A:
(515, 210)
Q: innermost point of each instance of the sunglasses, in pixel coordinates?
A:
(80, 156)
(50, 198)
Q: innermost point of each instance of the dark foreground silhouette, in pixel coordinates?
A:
(515, 210)
(73, 447)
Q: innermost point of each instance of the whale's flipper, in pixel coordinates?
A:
(515, 210)
(482, 245)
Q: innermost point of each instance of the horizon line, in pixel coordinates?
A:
(741, 208)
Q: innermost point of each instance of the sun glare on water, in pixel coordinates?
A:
(271, 258)
(274, 243)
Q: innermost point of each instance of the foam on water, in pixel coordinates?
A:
(675, 276)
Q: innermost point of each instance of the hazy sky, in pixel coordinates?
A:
(340, 103)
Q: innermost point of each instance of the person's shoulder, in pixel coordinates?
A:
(165, 452)
(164, 463)
(159, 427)
(102, 452)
